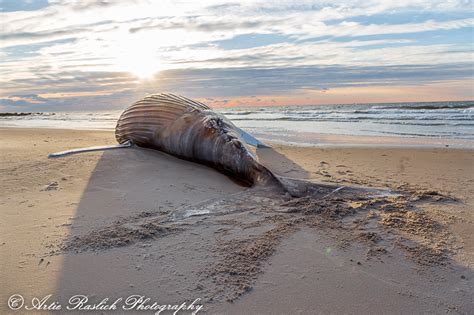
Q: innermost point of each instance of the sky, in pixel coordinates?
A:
(98, 55)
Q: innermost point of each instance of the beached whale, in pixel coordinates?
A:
(193, 131)
(190, 130)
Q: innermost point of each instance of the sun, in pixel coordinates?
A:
(141, 66)
(138, 60)
(143, 69)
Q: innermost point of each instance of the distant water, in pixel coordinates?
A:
(437, 122)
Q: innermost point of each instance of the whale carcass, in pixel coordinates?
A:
(193, 131)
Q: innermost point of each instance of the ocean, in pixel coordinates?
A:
(427, 123)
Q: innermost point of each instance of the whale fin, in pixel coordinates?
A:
(127, 144)
(251, 140)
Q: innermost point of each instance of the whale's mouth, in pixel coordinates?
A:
(298, 188)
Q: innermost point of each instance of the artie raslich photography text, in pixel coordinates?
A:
(82, 302)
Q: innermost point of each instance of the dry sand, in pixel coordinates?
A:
(111, 224)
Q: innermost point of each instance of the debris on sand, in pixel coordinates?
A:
(380, 220)
(334, 208)
(117, 235)
(425, 240)
(416, 223)
(242, 260)
(51, 186)
(423, 194)
(425, 255)
(432, 195)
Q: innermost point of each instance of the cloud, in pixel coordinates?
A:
(196, 25)
(72, 52)
(118, 91)
(268, 81)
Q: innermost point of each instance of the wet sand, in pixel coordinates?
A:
(99, 224)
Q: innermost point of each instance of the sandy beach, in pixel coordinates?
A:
(114, 224)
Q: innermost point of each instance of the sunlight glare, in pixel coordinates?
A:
(139, 60)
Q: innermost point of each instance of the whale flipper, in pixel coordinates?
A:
(90, 149)
(251, 140)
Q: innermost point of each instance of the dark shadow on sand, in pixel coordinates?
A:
(280, 164)
(129, 182)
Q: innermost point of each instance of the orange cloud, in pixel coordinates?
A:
(440, 91)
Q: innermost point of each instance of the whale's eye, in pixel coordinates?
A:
(237, 143)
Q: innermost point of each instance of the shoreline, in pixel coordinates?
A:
(328, 140)
(70, 226)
